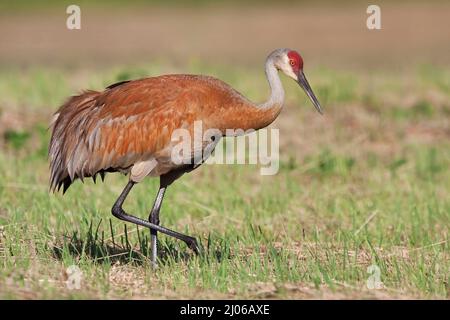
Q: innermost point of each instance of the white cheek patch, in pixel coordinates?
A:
(287, 69)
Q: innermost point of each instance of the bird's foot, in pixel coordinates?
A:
(193, 245)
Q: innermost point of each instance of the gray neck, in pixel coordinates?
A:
(277, 93)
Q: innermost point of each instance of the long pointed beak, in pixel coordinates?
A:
(303, 82)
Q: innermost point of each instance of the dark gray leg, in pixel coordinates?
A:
(165, 181)
(118, 212)
(154, 218)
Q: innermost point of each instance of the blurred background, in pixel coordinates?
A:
(226, 32)
(42, 62)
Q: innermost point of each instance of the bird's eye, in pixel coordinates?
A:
(292, 62)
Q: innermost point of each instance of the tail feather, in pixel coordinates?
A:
(60, 147)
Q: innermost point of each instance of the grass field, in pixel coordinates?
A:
(366, 184)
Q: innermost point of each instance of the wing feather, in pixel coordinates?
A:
(128, 123)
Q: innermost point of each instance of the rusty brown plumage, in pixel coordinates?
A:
(130, 122)
(131, 127)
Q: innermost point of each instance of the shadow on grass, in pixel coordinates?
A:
(118, 249)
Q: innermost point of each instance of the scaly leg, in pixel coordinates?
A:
(154, 218)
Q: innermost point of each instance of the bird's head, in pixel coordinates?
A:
(290, 63)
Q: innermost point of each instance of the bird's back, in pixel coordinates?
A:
(130, 122)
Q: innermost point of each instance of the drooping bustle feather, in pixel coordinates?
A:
(59, 143)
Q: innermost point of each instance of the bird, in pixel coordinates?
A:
(127, 128)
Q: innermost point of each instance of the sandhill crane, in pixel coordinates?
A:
(127, 128)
